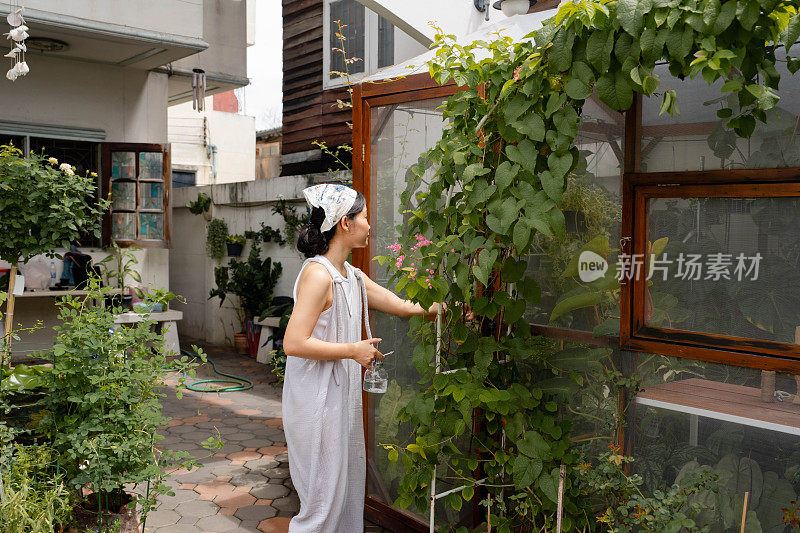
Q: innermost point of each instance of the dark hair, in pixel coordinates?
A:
(312, 241)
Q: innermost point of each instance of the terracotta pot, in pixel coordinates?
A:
(240, 343)
(86, 515)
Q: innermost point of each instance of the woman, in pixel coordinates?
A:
(322, 415)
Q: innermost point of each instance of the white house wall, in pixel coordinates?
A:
(233, 135)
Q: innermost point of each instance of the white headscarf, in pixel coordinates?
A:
(335, 199)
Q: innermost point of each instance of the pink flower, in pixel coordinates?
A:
(452, 250)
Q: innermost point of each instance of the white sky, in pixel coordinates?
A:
(262, 98)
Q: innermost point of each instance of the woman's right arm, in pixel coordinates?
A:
(312, 293)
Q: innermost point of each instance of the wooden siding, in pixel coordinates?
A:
(309, 112)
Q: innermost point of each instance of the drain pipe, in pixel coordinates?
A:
(211, 153)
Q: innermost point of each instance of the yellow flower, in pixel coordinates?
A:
(52, 160)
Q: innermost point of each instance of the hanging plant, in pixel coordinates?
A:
(201, 205)
(216, 238)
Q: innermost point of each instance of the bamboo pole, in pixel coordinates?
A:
(562, 474)
(9, 318)
(744, 510)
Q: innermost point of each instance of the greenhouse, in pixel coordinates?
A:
(679, 355)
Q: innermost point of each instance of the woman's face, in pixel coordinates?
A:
(359, 229)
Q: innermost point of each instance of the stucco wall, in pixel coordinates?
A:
(128, 104)
(243, 206)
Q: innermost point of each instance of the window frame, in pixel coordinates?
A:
(638, 188)
(370, 36)
(105, 166)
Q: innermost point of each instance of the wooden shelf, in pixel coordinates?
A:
(724, 401)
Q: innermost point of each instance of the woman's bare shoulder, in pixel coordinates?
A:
(316, 276)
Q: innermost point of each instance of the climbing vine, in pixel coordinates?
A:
(493, 182)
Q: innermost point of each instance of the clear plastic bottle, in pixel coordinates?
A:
(52, 273)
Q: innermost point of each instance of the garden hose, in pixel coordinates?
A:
(241, 384)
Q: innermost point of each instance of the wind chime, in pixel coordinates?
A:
(17, 36)
(198, 88)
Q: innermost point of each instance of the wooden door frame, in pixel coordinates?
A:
(366, 97)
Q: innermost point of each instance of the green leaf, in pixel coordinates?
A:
(516, 107)
(505, 174)
(615, 90)
(629, 16)
(524, 154)
(560, 53)
(726, 15)
(793, 64)
(599, 48)
(521, 235)
(792, 32)
(526, 471)
(711, 9)
(566, 121)
(571, 303)
(749, 13)
(553, 185)
(473, 170)
(559, 165)
(534, 446)
(531, 125)
(548, 483)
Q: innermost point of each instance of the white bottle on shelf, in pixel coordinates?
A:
(52, 274)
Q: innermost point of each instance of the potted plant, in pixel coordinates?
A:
(201, 206)
(123, 262)
(216, 237)
(234, 245)
(104, 410)
(253, 282)
(45, 206)
(155, 301)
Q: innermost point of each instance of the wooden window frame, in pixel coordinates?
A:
(105, 165)
(635, 335)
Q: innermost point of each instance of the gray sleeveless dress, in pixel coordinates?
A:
(322, 417)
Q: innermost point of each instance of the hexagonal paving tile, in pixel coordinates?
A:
(197, 508)
(265, 463)
(219, 523)
(250, 479)
(290, 503)
(164, 517)
(270, 492)
(244, 456)
(184, 528)
(278, 524)
(227, 469)
(276, 473)
(198, 475)
(170, 502)
(255, 512)
(240, 499)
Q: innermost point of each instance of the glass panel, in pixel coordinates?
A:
(385, 43)
(696, 139)
(123, 165)
(151, 166)
(350, 28)
(123, 226)
(123, 195)
(151, 195)
(400, 134)
(729, 266)
(592, 206)
(151, 226)
(740, 424)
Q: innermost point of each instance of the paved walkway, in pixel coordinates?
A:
(245, 486)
